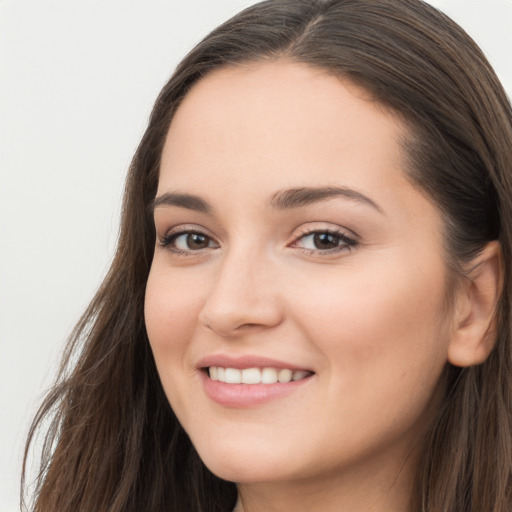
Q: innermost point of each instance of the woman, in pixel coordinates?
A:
(309, 306)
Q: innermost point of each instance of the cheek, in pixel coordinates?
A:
(172, 306)
(381, 325)
(383, 344)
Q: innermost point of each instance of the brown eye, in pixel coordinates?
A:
(187, 242)
(326, 241)
(195, 241)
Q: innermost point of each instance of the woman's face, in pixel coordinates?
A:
(290, 244)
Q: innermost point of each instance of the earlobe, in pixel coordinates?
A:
(476, 323)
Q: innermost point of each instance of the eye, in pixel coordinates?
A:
(325, 241)
(185, 242)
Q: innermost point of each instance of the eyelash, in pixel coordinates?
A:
(345, 243)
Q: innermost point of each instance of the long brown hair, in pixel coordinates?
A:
(114, 443)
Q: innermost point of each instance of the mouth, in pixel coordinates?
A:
(256, 375)
(251, 381)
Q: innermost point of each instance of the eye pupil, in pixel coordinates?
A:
(197, 241)
(325, 240)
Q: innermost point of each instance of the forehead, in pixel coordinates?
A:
(278, 124)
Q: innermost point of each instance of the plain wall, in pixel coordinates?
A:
(77, 82)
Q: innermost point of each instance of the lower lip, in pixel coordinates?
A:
(247, 395)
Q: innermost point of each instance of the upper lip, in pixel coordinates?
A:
(246, 361)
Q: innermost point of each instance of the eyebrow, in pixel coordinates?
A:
(180, 200)
(298, 197)
(283, 200)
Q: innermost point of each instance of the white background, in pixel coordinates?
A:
(77, 82)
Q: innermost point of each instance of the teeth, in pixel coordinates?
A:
(284, 376)
(256, 375)
(299, 375)
(251, 376)
(268, 376)
(232, 376)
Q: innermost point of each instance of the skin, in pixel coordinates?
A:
(369, 319)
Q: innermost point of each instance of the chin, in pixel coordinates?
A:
(239, 473)
(252, 463)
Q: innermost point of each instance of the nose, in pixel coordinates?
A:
(243, 297)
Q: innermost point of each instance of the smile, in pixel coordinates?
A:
(250, 381)
(264, 375)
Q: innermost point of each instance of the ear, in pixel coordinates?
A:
(477, 300)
